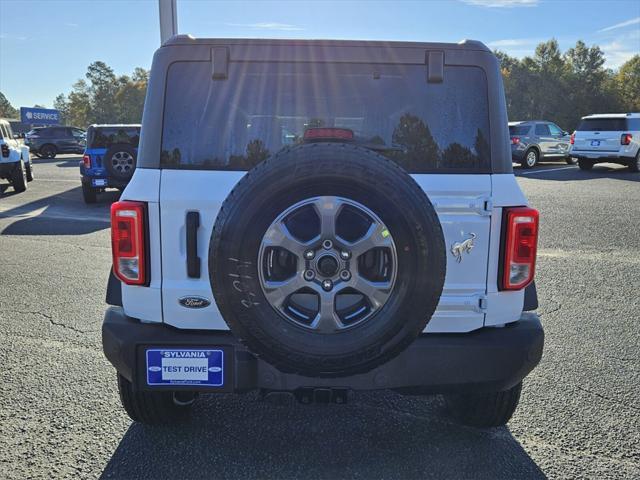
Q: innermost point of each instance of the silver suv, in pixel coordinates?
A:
(309, 218)
(608, 138)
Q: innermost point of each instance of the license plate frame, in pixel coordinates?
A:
(187, 367)
(99, 182)
(595, 143)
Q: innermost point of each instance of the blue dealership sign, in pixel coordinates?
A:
(39, 116)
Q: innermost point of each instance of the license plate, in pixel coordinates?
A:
(99, 182)
(182, 366)
(595, 143)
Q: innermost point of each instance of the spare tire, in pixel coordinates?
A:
(327, 260)
(120, 161)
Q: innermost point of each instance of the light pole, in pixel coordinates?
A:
(168, 19)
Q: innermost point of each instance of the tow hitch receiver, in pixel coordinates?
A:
(307, 396)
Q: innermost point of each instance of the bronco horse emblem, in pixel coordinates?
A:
(458, 248)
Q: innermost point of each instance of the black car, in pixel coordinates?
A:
(536, 140)
(47, 142)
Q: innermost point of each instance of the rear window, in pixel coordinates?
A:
(609, 124)
(107, 136)
(234, 124)
(519, 129)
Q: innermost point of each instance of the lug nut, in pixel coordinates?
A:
(309, 254)
(327, 244)
(345, 275)
(345, 255)
(327, 285)
(309, 275)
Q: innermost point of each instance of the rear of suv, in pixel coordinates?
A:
(608, 138)
(109, 159)
(533, 141)
(310, 218)
(15, 162)
(47, 142)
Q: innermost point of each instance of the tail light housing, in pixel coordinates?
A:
(128, 242)
(86, 160)
(515, 140)
(572, 138)
(625, 139)
(5, 150)
(520, 246)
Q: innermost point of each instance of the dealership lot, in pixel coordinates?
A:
(579, 415)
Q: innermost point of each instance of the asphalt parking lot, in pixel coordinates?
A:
(579, 415)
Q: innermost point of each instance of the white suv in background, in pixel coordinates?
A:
(15, 161)
(607, 138)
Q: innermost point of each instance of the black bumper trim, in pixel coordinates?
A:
(489, 359)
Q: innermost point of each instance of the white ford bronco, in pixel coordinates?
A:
(311, 218)
(15, 161)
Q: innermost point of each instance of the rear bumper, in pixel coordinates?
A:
(489, 359)
(602, 158)
(86, 177)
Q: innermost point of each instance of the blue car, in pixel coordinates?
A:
(109, 159)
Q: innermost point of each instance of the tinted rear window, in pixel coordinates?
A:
(105, 137)
(605, 124)
(235, 123)
(519, 129)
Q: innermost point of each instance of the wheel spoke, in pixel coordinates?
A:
(278, 291)
(327, 320)
(328, 209)
(376, 292)
(376, 236)
(278, 235)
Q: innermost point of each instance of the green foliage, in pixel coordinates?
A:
(104, 98)
(564, 87)
(419, 146)
(6, 109)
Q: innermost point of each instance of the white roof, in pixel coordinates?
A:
(613, 115)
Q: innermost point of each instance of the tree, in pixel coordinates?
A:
(564, 87)
(628, 84)
(6, 109)
(102, 89)
(420, 150)
(104, 98)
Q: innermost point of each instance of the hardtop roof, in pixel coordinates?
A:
(185, 39)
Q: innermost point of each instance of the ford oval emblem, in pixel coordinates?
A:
(194, 302)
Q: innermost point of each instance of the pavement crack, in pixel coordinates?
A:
(553, 310)
(603, 397)
(52, 321)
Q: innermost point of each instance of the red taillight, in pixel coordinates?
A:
(5, 150)
(86, 159)
(625, 139)
(128, 242)
(572, 138)
(343, 134)
(520, 246)
(515, 140)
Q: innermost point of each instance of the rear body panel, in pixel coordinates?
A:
(469, 205)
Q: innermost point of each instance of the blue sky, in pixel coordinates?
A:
(45, 46)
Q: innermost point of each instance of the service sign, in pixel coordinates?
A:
(39, 116)
(202, 367)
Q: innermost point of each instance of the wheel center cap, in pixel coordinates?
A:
(327, 265)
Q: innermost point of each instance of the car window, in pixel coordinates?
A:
(542, 129)
(234, 124)
(77, 133)
(58, 132)
(519, 129)
(2, 131)
(555, 130)
(602, 125)
(104, 137)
